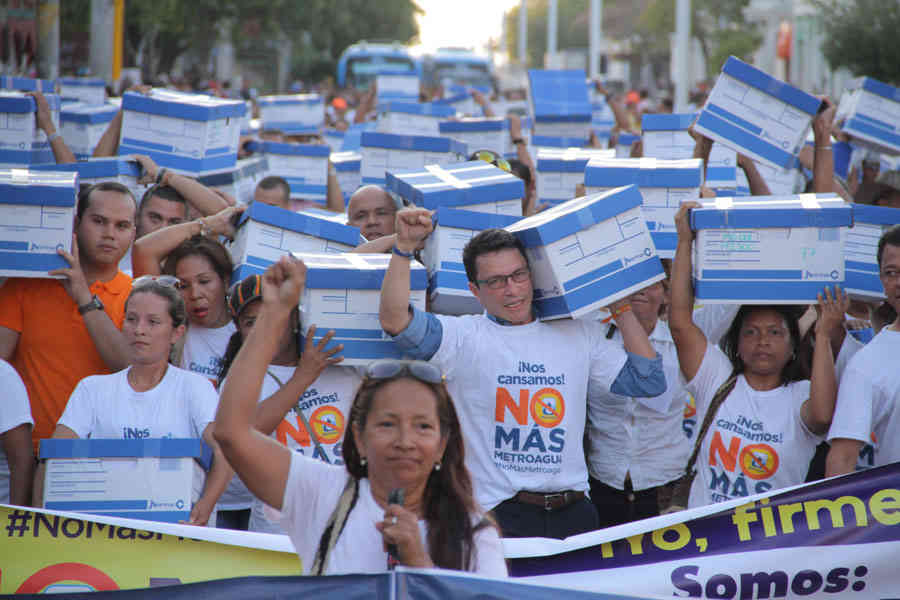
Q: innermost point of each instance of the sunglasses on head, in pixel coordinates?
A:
(493, 158)
(417, 369)
(166, 280)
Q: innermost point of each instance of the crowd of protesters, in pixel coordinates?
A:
(148, 330)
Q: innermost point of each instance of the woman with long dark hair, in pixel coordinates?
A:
(760, 418)
(404, 486)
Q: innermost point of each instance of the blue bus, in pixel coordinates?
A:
(458, 67)
(361, 62)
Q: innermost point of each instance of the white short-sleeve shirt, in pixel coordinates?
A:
(757, 440)
(311, 494)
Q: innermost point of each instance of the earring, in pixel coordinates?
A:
(362, 461)
(437, 466)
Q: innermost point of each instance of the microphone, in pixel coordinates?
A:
(395, 497)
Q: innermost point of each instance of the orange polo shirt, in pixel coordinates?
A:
(55, 350)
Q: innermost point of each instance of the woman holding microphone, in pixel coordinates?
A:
(403, 435)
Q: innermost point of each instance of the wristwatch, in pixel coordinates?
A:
(517, 141)
(94, 304)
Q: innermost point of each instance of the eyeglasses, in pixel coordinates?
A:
(166, 280)
(499, 281)
(495, 159)
(418, 369)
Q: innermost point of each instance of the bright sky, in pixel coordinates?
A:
(463, 23)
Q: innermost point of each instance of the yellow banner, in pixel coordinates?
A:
(47, 551)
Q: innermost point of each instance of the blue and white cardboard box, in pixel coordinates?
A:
(757, 115)
(624, 142)
(861, 250)
(191, 133)
(120, 169)
(781, 182)
(461, 101)
(348, 166)
(89, 90)
(559, 171)
(147, 479)
(664, 186)
(265, 233)
(397, 85)
(550, 141)
(475, 186)
(769, 249)
(666, 136)
(412, 118)
(22, 143)
(343, 293)
(292, 113)
(27, 84)
(383, 152)
(480, 133)
(239, 181)
(559, 103)
(304, 166)
(588, 253)
(37, 209)
(334, 138)
(448, 287)
(82, 125)
(870, 111)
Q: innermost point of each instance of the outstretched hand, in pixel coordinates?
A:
(831, 310)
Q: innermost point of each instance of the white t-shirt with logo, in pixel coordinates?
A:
(106, 406)
(14, 411)
(311, 494)
(640, 436)
(868, 403)
(520, 393)
(326, 405)
(204, 350)
(757, 440)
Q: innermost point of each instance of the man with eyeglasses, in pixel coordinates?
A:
(55, 332)
(520, 384)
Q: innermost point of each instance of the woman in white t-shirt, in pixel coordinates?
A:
(404, 491)
(203, 268)
(765, 417)
(151, 398)
(303, 404)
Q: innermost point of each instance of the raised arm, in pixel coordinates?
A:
(314, 359)
(481, 101)
(106, 335)
(689, 339)
(823, 162)
(412, 226)
(61, 152)
(758, 185)
(261, 462)
(616, 107)
(203, 199)
(334, 198)
(151, 250)
(818, 410)
(109, 141)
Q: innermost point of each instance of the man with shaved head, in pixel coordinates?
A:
(372, 210)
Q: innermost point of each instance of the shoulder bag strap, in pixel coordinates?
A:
(335, 525)
(717, 400)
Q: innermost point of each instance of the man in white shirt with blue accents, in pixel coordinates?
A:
(519, 384)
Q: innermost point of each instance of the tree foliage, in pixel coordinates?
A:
(572, 28)
(860, 36)
(160, 31)
(718, 25)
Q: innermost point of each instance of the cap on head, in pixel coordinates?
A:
(243, 293)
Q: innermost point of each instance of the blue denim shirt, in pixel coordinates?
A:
(640, 377)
